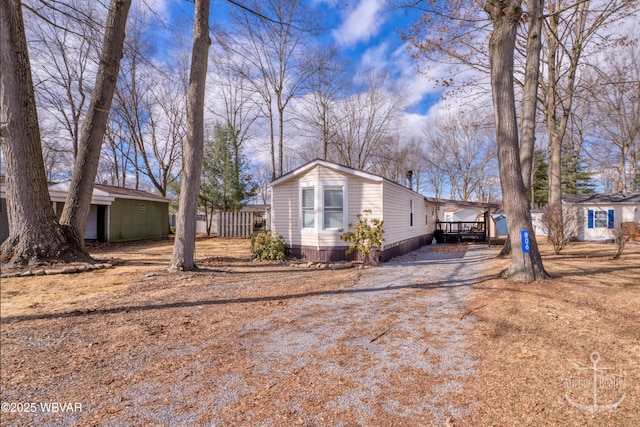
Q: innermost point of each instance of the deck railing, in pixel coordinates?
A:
(462, 230)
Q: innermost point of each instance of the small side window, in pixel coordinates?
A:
(333, 207)
(411, 213)
(308, 208)
(142, 207)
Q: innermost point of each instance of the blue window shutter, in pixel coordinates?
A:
(590, 219)
(610, 222)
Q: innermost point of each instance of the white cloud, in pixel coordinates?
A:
(159, 7)
(361, 23)
(375, 58)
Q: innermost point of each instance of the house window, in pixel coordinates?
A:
(411, 213)
(308, 208)
(333, 207)
(426, 220)
(600, 219)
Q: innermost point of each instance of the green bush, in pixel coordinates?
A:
(365, 235)
(268, 245)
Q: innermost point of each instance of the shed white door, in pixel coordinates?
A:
(91, 233)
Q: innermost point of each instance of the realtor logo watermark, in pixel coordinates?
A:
(595, 388)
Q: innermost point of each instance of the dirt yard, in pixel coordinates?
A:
(262, 343)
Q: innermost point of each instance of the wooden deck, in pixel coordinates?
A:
(461, 231)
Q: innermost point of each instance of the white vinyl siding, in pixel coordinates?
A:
(386, 201)
(398, 203)
(431, 211)
(599, 222)
(284, 211)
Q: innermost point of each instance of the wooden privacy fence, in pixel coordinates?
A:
(235, 224)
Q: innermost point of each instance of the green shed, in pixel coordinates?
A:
(116, 214)
(133, 215)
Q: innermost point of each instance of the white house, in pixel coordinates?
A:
(461, 215)
(600, 215)
(311, 203)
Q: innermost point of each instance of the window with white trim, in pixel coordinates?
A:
(600, 219)
(333, 202)
(308, 207)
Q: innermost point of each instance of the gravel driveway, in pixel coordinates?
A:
(389, 347)
(257, 347)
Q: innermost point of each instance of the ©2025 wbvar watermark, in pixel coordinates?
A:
(35, 407)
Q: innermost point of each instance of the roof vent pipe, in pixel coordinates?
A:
(409, 176)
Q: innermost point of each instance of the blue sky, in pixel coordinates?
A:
(365, 31)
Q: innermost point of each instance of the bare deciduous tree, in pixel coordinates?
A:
(368, 119)
(458, 34)
(185, 240)
(615, 97)
(505, 16)
(34, 234)
(318, 117)
(65, 61)
(277, 51)
(33, 231)
(464, 148)
(236, 106)
(559, 235)
(76, 208)
(569, 30)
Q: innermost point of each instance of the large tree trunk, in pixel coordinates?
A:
(34, 234)
(529, 101)
(185, 240)
(530, 91)
(505, 16)
(76, 209)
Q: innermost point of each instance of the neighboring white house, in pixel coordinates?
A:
(311, 203)
(461, 211)
(600, 215)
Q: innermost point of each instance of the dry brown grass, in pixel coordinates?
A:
(103, 337)
(532, 339)
(62, 292)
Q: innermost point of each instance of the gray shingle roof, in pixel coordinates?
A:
(615, 198)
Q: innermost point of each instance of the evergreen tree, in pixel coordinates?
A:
(225, 183)
(540, 182)
(575, 178)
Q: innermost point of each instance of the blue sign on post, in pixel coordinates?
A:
(524, 234)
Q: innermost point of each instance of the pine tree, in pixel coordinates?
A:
(575, 179)
(540, 183)
(225, 184)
